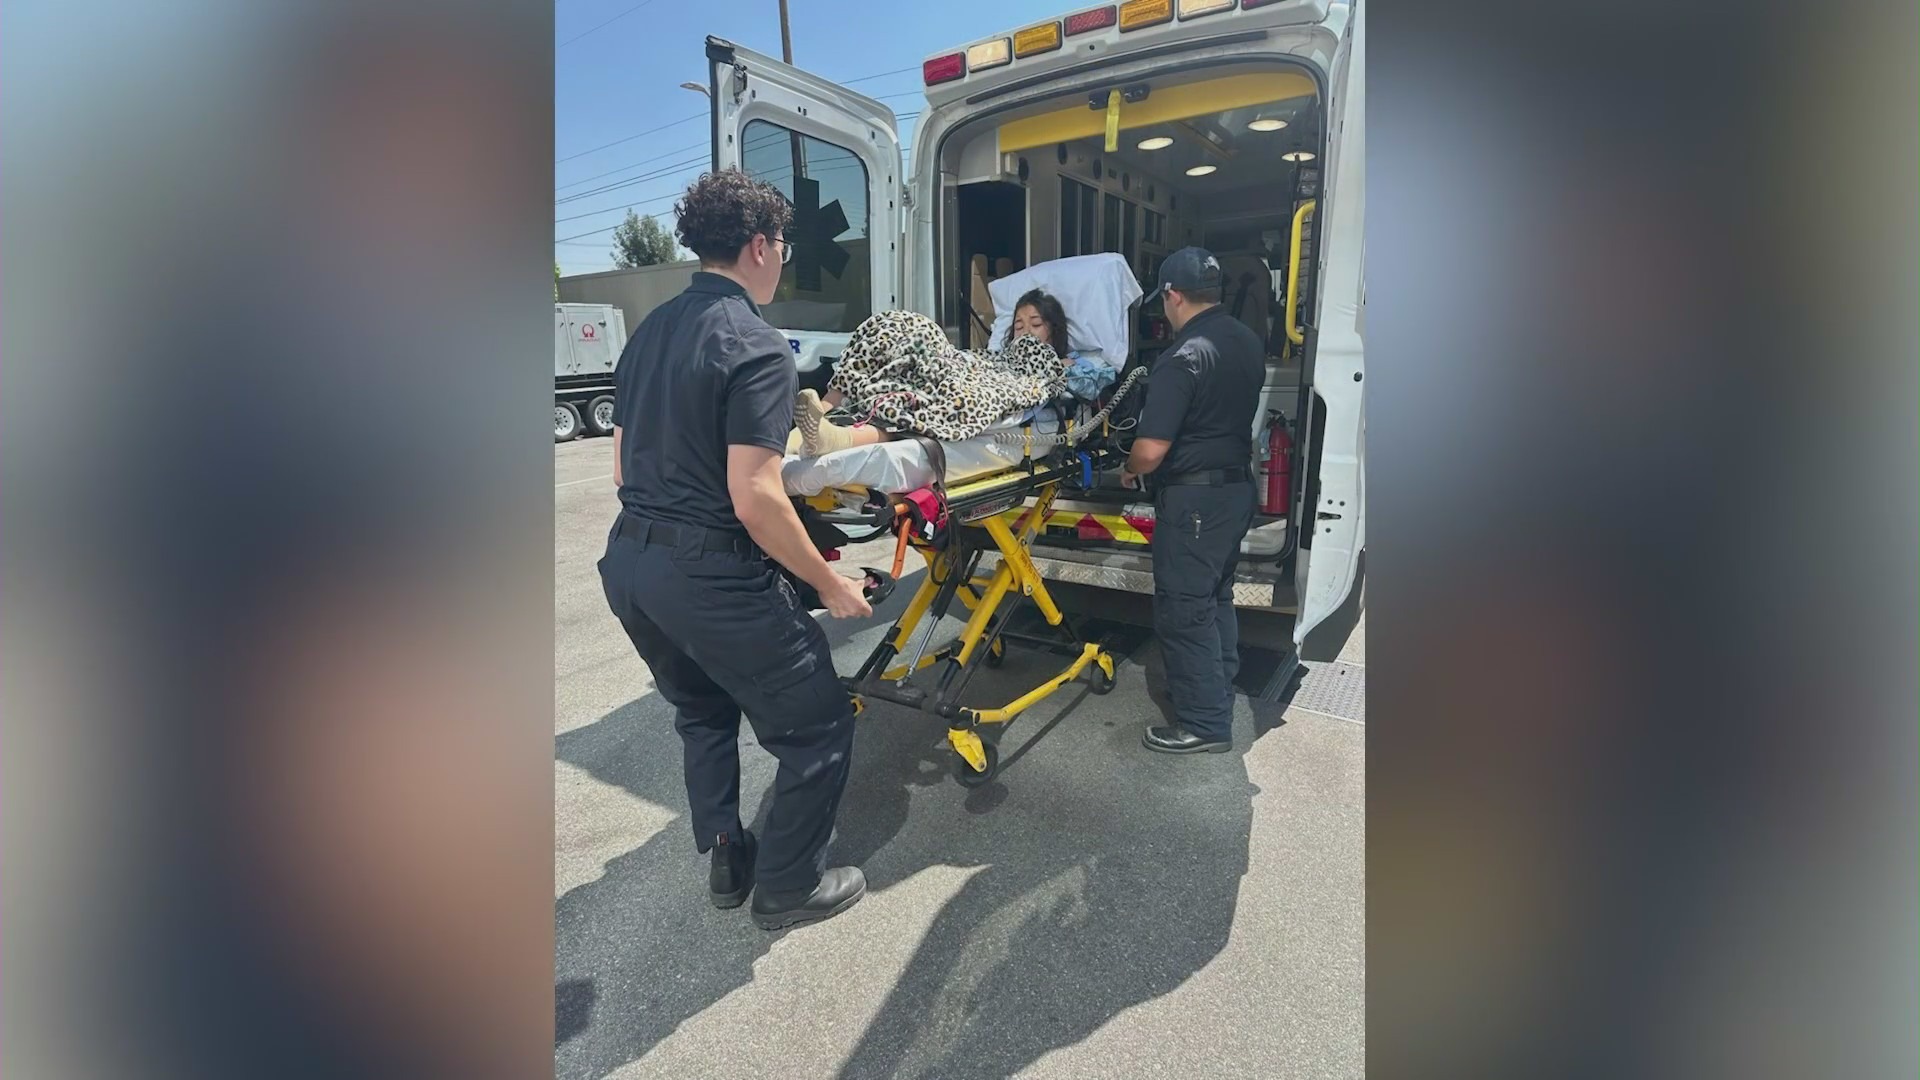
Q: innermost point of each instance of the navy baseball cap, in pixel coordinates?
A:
(1191, 269)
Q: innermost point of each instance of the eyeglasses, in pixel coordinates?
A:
(786, 249)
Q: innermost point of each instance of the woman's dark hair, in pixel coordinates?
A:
(1051, 313)
(723, 210)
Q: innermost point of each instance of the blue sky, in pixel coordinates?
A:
(615, 81)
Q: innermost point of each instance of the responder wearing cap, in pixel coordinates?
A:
(1194, 443)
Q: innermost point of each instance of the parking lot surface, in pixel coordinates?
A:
(1094, 911)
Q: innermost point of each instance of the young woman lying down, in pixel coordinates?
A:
(899, 373)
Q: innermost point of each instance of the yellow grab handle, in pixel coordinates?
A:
(1293, 274)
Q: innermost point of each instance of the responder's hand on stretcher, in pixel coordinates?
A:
(845, 598)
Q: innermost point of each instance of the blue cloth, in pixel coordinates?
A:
(1087, 378)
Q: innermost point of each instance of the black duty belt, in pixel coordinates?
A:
(1205, 478)
(648, 531)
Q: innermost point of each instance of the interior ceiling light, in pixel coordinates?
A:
(1297, 155)
(1201, 170)
(1158, 142)
(1266, 123)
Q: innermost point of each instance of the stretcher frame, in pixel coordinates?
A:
(1002, 512)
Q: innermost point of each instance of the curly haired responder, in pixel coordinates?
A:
(703, 400)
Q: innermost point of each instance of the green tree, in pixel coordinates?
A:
(642, 241)
(556, 279)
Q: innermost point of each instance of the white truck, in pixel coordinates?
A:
(587, 339)
(1138, 128)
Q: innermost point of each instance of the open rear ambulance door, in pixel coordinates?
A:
(1331, 570)
(835, 154)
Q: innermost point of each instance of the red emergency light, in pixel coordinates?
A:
(944, 68)
(1092, 19)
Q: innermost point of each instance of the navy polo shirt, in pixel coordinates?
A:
(703, 372)
(1203, 392)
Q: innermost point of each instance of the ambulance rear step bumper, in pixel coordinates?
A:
(1261, 588)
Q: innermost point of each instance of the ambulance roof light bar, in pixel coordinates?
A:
(1092, 19)
(1140, 14)
(942, 69)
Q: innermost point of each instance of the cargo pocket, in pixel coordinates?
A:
(800, 691)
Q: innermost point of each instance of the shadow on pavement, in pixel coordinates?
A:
(1106, 877)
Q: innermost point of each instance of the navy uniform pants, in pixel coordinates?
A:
(724, 635)
(1196, 540)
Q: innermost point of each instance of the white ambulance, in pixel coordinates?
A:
(1136, 128)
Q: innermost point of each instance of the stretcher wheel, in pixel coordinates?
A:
(1102, 683)
(964, 773)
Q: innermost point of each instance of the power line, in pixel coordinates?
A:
(696, 116)
(635, 164)
(747, 147)
(647, 161)
(679, 166)
(757, 144)
(630, 138)
(615, 225)
(611, 209)
(675, 195)
(778, 173)
(697, 161)
(609, 22)
(882, 75)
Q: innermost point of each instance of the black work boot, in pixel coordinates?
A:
(1178, 740)
(732, 875)
(839, 889)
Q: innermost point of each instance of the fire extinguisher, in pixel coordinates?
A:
(1279, 466)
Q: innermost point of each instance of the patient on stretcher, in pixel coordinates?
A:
(899, 373)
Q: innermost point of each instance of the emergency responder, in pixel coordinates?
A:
(704, 397)
(1194, 444)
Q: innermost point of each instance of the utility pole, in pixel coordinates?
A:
(786, 57)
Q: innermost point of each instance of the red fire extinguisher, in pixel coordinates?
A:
(1279, 466)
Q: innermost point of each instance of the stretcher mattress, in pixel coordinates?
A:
(902, 465)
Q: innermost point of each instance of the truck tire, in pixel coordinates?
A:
(566, 422)
(600, 415)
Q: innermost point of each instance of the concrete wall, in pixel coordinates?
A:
(634, 292)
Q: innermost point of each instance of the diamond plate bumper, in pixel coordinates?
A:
(1128, 572)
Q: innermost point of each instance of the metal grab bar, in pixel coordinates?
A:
(1293, 274)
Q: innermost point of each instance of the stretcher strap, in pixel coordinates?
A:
(936, 459)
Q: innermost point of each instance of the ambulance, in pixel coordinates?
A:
(1134, 128)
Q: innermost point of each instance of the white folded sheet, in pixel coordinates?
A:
(901, 464)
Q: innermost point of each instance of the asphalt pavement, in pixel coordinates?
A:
(1094, 911)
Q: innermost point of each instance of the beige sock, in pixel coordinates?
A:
(827, 438)
(807, 413)
(818, 435)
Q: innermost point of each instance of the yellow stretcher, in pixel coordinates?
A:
(1000, 513)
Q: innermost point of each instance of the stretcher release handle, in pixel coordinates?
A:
(879, 585)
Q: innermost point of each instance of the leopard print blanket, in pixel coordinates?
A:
(901, 373)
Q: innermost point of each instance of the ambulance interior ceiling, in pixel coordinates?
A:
(1222, 177)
